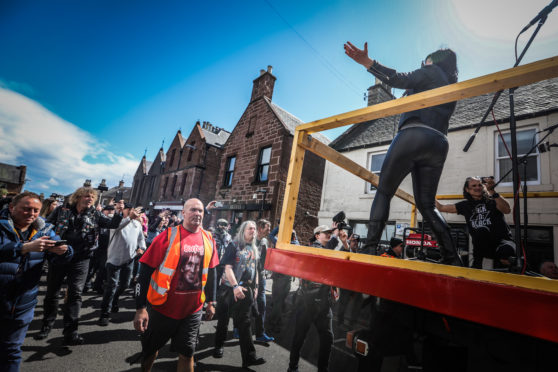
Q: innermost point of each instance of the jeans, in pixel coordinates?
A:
(12, 334)
(118, 279)
(241, 311)
(76, 272)
(260, 302)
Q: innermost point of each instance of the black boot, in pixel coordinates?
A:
(375, 228)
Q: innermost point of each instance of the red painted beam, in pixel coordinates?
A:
(521, 310)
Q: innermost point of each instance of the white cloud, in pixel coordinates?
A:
(55, 151)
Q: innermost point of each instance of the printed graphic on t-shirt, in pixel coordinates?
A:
(480, 218)
(189, 268)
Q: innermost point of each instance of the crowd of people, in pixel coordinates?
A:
(181, 271)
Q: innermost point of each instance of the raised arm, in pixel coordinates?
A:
(446, 208)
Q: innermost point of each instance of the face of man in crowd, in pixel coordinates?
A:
(25, 212)
(323, 237)
(475, 188)
(264, 231)
(550, 270)
(52, 206)
(249, 232)
(398, 249)
(353, 243)
(193, 215)
(85, 201)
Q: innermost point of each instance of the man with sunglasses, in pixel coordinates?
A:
(484, 211)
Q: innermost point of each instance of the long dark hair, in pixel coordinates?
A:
(446, 59)
(466, 195)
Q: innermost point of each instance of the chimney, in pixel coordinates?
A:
(263, 85)
(378, 93)
(121, 184)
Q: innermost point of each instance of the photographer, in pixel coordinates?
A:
(484, 211)
(313, 305)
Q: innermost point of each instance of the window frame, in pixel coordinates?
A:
(369, 189)
(260, 165)
(229, 172)
(497, 158)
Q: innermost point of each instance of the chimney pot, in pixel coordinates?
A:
(269, 68)
(262, 71)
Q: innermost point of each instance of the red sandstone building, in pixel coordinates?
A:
(255, 162)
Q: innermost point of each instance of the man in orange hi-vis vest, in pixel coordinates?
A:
(177, 276)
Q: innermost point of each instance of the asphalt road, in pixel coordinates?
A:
(117, 347)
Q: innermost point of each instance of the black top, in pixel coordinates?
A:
(423, 79)
(243, 260)
(486, 225)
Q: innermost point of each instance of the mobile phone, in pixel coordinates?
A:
(60, 242)
(218, 204)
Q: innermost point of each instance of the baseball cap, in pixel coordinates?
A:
(128, 206)
(322, 228)
(222, 221)
(108, 208)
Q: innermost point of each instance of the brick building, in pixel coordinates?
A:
(188, 169)
(255, 162)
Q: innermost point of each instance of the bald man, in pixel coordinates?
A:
(173, 277)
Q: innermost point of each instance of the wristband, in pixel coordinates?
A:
(495, 195)
(235, 286)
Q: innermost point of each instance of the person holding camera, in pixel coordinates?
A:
(25, 242)
(484, 211)
(79, 223)
(238, 293)
(313, 306)
(125, 243)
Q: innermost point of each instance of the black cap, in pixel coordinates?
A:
(394, 242)
(108, 208)
(128, 206)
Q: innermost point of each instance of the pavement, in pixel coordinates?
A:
(117, 346)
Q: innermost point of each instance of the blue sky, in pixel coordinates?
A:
(86, 86)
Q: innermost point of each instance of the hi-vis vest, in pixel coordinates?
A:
(162, 276)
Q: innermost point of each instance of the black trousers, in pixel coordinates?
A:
(280, 289)
(76, 272)
(310, 312)
(421, 152)
(241, 312)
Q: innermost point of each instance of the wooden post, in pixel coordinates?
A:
(291, 189)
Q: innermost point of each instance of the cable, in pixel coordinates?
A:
(322, 59)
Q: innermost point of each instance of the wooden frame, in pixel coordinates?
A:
(457, 286)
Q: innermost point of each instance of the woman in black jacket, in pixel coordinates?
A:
(79, 224)
(420, 146)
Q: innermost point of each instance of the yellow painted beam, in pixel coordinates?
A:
(513, 77)
(536, 194)
(522, 281)
(326, 152)
(413, 216)
(292, 188)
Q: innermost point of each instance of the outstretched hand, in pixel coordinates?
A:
(358, 55)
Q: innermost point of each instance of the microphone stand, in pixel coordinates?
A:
(517, 212)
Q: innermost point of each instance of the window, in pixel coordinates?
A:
(183, 183)
(229, 171)
(263, 164)
(526, 139)
(191, 150)
(165, 187)
(174, 179)
(375, 162)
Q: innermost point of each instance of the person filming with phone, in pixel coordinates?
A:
(25, 242)
(484, 211)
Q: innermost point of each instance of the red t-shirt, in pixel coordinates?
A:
(185, 290)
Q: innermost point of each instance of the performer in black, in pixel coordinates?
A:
(484, 211)
(420, 147)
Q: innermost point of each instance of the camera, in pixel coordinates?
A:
(339, 219)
